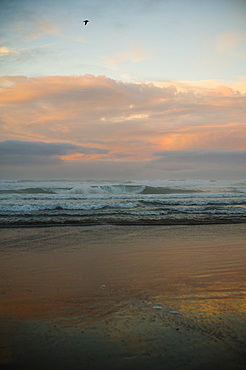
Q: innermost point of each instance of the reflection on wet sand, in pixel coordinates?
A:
(123, 297)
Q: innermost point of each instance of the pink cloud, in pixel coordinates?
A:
(131, 120)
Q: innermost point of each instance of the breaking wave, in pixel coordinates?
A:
(154, 202)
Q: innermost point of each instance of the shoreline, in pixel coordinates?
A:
(208, 221)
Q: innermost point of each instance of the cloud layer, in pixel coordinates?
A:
(21, 152)
(23, 159)
(94, 118)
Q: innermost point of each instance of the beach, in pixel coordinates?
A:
(123, 297)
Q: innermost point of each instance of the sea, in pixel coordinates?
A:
(162, 202)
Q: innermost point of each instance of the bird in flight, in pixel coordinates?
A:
(86, 21)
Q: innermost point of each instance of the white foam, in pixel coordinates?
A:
(158, 199)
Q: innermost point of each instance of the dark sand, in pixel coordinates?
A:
(123, 297)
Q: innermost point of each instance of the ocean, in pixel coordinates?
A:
(53, 203)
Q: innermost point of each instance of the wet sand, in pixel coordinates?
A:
(123, 297)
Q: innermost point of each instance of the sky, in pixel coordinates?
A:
(148, 89)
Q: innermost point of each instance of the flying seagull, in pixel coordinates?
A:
(86, 21)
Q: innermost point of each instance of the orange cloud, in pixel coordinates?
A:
(4, 51)
(232, 138)
(129, 120)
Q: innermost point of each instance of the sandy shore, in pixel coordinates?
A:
(123, 297)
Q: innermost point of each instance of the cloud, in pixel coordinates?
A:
(133, 54)
(231, 42)
(202, 156)
(134, 120)
(240, 84)
(202, 163)
(35, 27)
(229, 136)
(4, 51)
(23, 20)
(16, 151)
(196, 164)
